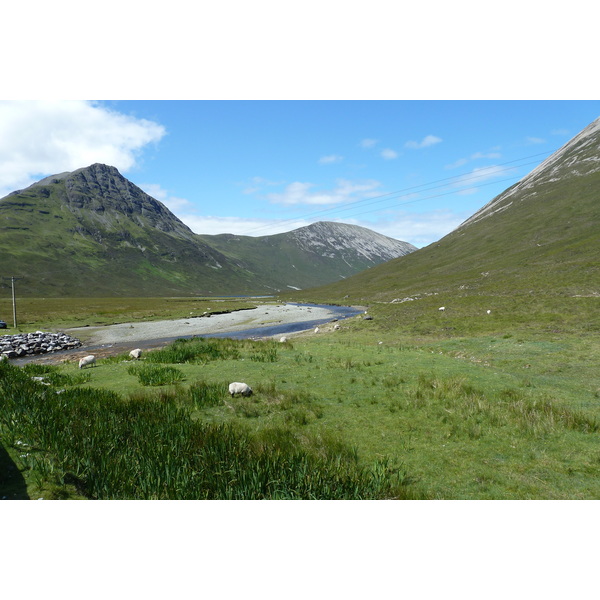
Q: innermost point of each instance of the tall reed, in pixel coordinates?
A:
(147, 447)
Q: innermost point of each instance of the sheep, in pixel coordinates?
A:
(442, 308)
(240, 388)
(136, 353)
(283, 340)
(87, 360)
(316, 330)
(489, 312)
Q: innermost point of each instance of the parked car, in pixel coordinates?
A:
(3, 325)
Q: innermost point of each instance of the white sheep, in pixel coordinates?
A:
(136, 353)
(240, 388)
(316, 330)
(283, 340)
(442, 308)
(489, 312)
(87, 360)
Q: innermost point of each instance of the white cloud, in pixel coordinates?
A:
(389, 154)
(479, 155)
(476, 156)
(209, 225)
(428, 140)
(368, 143)
(345, 191)
(535, 140)
(470, 181)
(173, 203)
(257, 184)
(419, 229)
(332, 158)
(41, 138)
(459, 163)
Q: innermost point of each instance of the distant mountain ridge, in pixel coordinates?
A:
(91, 232)
(329, 238)
(311, 255)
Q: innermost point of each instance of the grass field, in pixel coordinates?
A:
(51, 314)
(458, 404)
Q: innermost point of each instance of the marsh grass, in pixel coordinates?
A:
(155, 374)
(53, 374)
(203, 394)
(148, 447)
(198, 350)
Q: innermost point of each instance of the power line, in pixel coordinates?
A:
(464, 177)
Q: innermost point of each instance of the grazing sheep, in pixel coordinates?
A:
(316, 330)
(336, 327)
(442, 308)
(136, 353)
(240, 388)
(87, 360)
(283, 339)
(489, 312)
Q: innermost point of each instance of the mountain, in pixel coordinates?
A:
(540, 236)
(91, 232)
(312, 255)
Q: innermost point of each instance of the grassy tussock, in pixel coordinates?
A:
(470, 412)
(204, 350)
(155, 375)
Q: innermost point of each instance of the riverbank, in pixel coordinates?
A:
(265, 316)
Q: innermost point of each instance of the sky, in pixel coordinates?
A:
(409, 169)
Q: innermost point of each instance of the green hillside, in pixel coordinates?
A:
(89, 234)
(540, 237)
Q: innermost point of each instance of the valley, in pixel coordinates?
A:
(497, 396)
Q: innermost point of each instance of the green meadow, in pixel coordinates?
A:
(413, 404)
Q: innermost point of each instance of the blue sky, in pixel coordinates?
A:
(413, 170)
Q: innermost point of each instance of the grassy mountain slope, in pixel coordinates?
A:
(541, 236)
(94, 233)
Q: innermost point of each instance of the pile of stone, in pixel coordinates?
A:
(40, 342)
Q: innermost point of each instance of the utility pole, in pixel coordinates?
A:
(14, 301)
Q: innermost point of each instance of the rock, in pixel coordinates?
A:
(22, 344)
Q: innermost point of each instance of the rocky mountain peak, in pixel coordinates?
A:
(327, 238)
(102, 189)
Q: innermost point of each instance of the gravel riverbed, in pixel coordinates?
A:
(261, 316)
